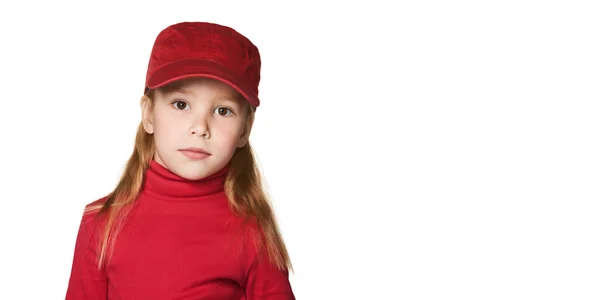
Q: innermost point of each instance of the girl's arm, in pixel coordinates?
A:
(86, 281)
(264, 280)
(267, 282)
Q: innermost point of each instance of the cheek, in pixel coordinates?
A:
(165, 129)
(224, 134)
(227, 135)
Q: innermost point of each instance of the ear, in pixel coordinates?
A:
(147, 120)
(245, 136)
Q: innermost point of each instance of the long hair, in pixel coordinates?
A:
(243, 187)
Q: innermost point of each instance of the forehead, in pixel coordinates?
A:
(196, 86)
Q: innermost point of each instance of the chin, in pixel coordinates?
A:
(190, 169)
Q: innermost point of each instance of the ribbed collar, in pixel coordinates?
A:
(161, 183)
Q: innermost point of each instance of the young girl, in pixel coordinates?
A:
(189, 218)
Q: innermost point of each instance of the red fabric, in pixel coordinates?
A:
(180, 241)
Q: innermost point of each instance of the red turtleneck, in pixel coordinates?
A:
(180, 241)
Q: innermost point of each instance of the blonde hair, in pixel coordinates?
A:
(243, 187)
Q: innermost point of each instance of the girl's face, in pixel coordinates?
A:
(196, 115)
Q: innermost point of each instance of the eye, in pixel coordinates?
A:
(221, 110)
(181, 105)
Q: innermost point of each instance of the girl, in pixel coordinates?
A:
(189, 218)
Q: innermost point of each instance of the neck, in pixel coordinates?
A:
(161, 183)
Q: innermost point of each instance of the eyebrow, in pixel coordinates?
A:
(188, 92)
(227, 99)
(179, 90)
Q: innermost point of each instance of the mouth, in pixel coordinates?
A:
(195, 153)
(198, 150)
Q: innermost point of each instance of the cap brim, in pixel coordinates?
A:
(200, 68)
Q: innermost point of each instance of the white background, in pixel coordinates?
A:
(431, 150)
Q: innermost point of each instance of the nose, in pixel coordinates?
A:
(200, 128)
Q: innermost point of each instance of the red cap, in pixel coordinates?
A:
(201, 49)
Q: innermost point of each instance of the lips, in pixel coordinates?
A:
(195, 153)
(195, 150)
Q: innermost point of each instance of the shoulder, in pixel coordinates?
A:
(98, 203)
(254, 240)
(91, 216)
(253, 233)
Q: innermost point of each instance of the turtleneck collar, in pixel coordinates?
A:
(161, 183)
